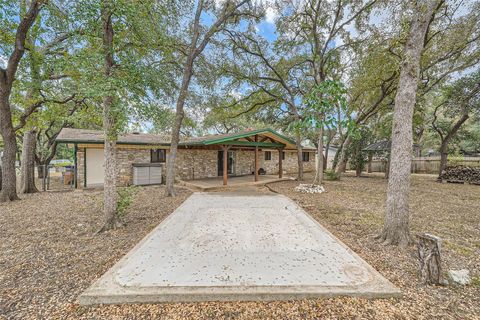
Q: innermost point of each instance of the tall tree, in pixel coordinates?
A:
(321, 105)
(109, 124)
(7, 77)
(273, 80)
(198, 42)
(396, 228)
(459, 101)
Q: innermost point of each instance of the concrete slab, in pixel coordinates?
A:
(216, 184)
(245, 246)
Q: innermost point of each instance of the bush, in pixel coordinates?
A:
(125, 199)
(331, 175)
(62, 163)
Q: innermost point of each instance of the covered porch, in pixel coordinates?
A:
(212, 184)
(253, 142)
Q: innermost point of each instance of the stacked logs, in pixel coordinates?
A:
(461, 174)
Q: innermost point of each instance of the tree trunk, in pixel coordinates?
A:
(109, 128)
(27, 184)
(40, 170)
(7, 76)
(179, 114)
(298, 142)
(369, 165)
(443, 158)
(325, 163)
(342, 161)
(9, 177)
(396, 227)
(358, 171)
(318, 180)
(446, 140)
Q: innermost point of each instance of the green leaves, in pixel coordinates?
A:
(325, 105)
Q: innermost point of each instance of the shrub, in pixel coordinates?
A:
(125, 199)
(331, 175)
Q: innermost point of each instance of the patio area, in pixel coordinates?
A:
(212, 184)
(237, 246)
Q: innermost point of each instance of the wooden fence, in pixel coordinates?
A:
(429, 165)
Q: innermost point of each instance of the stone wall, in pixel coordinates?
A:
(244, 162)
(289, 164)
(80, 167)
(198, 163)
(125, 159)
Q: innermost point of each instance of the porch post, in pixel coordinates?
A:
(280, 168)
(256, 159)
(225, 165)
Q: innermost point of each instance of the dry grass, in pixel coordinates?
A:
(49, 253)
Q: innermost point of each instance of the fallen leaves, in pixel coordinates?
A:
(50, 253)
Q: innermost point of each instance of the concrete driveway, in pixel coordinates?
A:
(237, 246)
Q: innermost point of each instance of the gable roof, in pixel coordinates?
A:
(267, 138)
(242, 137)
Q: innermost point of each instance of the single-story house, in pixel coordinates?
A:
(243, 153)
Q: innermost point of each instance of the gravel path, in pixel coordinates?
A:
(49, 253)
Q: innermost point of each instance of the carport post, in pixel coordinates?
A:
(280, 168)
(256, 159)
(225, 164)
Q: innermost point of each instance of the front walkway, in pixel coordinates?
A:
(212, 184)
(237, 246)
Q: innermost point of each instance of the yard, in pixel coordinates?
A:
(49, 253)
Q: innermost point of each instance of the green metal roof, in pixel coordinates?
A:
(231, 137)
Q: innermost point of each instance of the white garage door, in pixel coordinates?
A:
(95, 167)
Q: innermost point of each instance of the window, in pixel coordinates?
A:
(283, 155)
(158, 155)
(268, 155)
(306, 156)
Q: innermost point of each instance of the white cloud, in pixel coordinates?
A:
(3, 62)
(271, 15)
(235, 94)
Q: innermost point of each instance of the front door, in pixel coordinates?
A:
(230, 162)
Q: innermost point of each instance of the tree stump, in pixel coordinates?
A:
(429, 256)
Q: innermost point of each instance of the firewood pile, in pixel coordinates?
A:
(461, 174)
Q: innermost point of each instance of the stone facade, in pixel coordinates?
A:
(289, 163)
(244, 162)
(198, 163)
(125, 159)
(80, 167)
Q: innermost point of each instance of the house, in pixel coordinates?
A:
(197, 157)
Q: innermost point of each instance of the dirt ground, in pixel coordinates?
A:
(49, 253)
